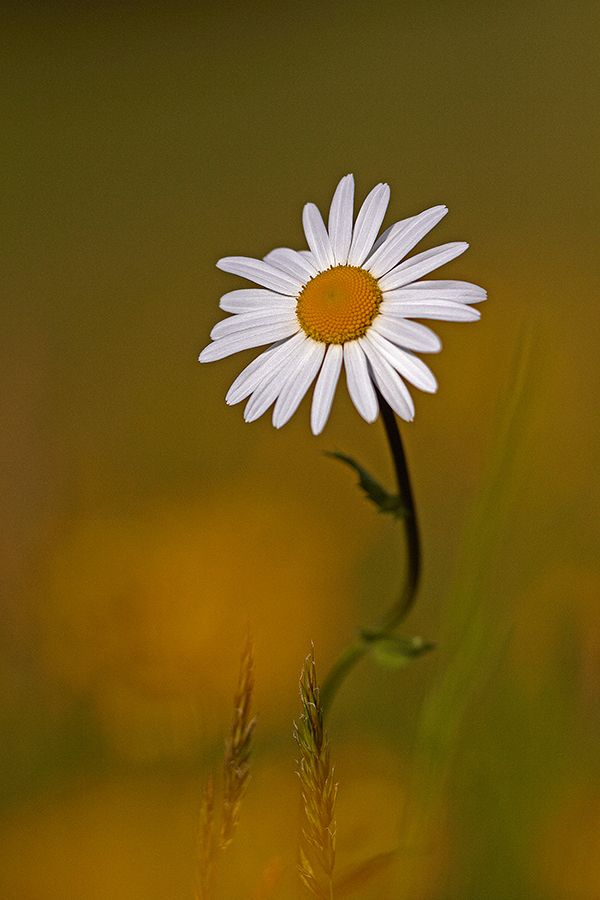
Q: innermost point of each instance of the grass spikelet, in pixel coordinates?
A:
(317, 857)
(236, 775)
(236, 770)
(207, 856)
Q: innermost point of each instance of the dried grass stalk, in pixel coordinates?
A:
(236, 775)
(207, 856)
(317, 856)
(236, 770)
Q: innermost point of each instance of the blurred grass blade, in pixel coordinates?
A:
(361, 874)
(473, 633)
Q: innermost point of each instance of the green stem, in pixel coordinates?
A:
(400, 609)
(405, 601)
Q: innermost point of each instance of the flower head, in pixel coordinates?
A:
(349, 299)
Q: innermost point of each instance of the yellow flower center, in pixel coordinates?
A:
(339, 304)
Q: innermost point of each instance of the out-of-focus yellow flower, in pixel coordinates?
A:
(117, 837)
(146, 615)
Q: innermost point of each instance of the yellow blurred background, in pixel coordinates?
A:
(147, 528)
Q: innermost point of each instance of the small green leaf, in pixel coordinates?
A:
(394, 651)
(387, 503)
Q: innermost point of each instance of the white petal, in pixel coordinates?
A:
(368, 223)
(267, 392)
(264, 397)
(250, 320)
(377, 258)
(444, 310)
(360, 386)
(341, 214)
(457, 291)
(389, 382)
(293, 263)
(262, 273)
(263, 368)
(380, 240)
(324, 391)
(317, 237)
(410, 335)
(406, 363)
(403, 237)
(420, 265)
(252, 337)
(254, 299)
(297, 385)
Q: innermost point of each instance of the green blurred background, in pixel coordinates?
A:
(147, 527)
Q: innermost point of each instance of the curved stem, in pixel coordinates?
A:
(338, 672)
(400, 609)
(405, 601)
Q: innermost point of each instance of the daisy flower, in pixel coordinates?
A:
(349, 300)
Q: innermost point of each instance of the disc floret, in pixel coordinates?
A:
(339, 304)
